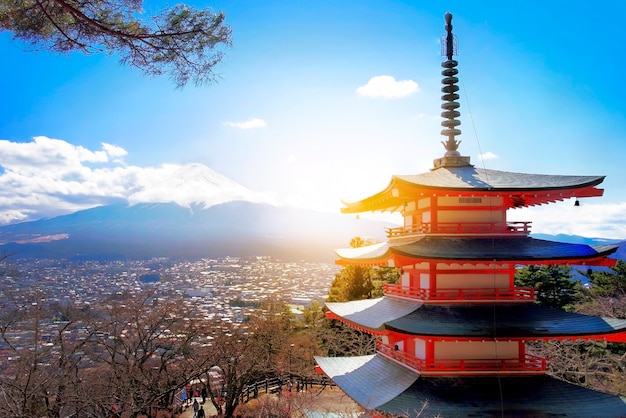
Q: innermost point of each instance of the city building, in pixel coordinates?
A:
(453, 334)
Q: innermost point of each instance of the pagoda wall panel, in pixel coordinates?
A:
(471, 267)
(424, 282)
(486, 201)
(405, 280)
(419, 348)
(472, 281)
(423, 203)
(475, 216)
(476, 350)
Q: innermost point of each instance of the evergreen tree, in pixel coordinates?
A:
(553, 284)
(181, 41)
(608, 283)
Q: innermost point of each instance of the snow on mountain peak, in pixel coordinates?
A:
(189, 184)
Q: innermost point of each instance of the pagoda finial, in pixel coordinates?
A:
(449, 48)
(449, 37)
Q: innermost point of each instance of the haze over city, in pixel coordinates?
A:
(323, 101)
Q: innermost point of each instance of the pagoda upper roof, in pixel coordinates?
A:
(537, 188)
(499, 321)
(518, 249)
(405, 392)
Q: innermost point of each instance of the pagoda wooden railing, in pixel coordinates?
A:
(461, 295)
(455, 228)
(527, 365)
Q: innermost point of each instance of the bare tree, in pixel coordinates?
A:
(144, 351)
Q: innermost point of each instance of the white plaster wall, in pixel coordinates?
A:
(420, 348)
(424, 280)
(476, 350)
(472, 281)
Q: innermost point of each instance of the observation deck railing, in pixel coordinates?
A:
(527, 365)
(520, 294)
(460, 228)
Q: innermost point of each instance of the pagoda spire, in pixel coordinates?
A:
(449, 48)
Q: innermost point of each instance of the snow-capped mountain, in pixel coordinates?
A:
(191, 184)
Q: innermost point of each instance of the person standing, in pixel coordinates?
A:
(201, 413)
(196, 407)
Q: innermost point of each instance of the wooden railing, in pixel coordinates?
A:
(528, 365)
(457, 228)
(461, 295)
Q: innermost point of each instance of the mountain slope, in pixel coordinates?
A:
(146, 230)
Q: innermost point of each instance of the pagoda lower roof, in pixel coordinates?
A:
(521, 250)
(380, 384)
(474, 321)
(536, 188)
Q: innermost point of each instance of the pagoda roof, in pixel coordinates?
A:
(372, 314)
(357, 376)
(524, 396)
(502, 321)
(379, 384)
(479, 181)
(493, 321)
(520, 250)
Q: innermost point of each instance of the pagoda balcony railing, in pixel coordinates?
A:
(521, 294)
(459, 228)
(527, 365)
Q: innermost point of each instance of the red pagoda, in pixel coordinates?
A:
(452, 334)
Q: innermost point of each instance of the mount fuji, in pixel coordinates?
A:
(191, 212)
(189, 185)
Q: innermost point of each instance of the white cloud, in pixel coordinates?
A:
(388, 87)
(50, 177)
(249, 124)
(593, 220)
(488, 156)
(113, 150)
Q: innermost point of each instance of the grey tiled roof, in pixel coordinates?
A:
(502, 321)
(507, 320)
(372, 313)
(469, 248)
(531, 396)
(378, 384)
(369, 380)
(470, 177)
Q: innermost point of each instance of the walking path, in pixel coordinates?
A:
(209, 409)
(327, 402)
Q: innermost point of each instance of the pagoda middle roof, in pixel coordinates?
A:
(499, 321)
(469, 179)
(521, 249)
(380, 384)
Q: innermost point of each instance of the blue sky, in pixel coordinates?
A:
(294, 118)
